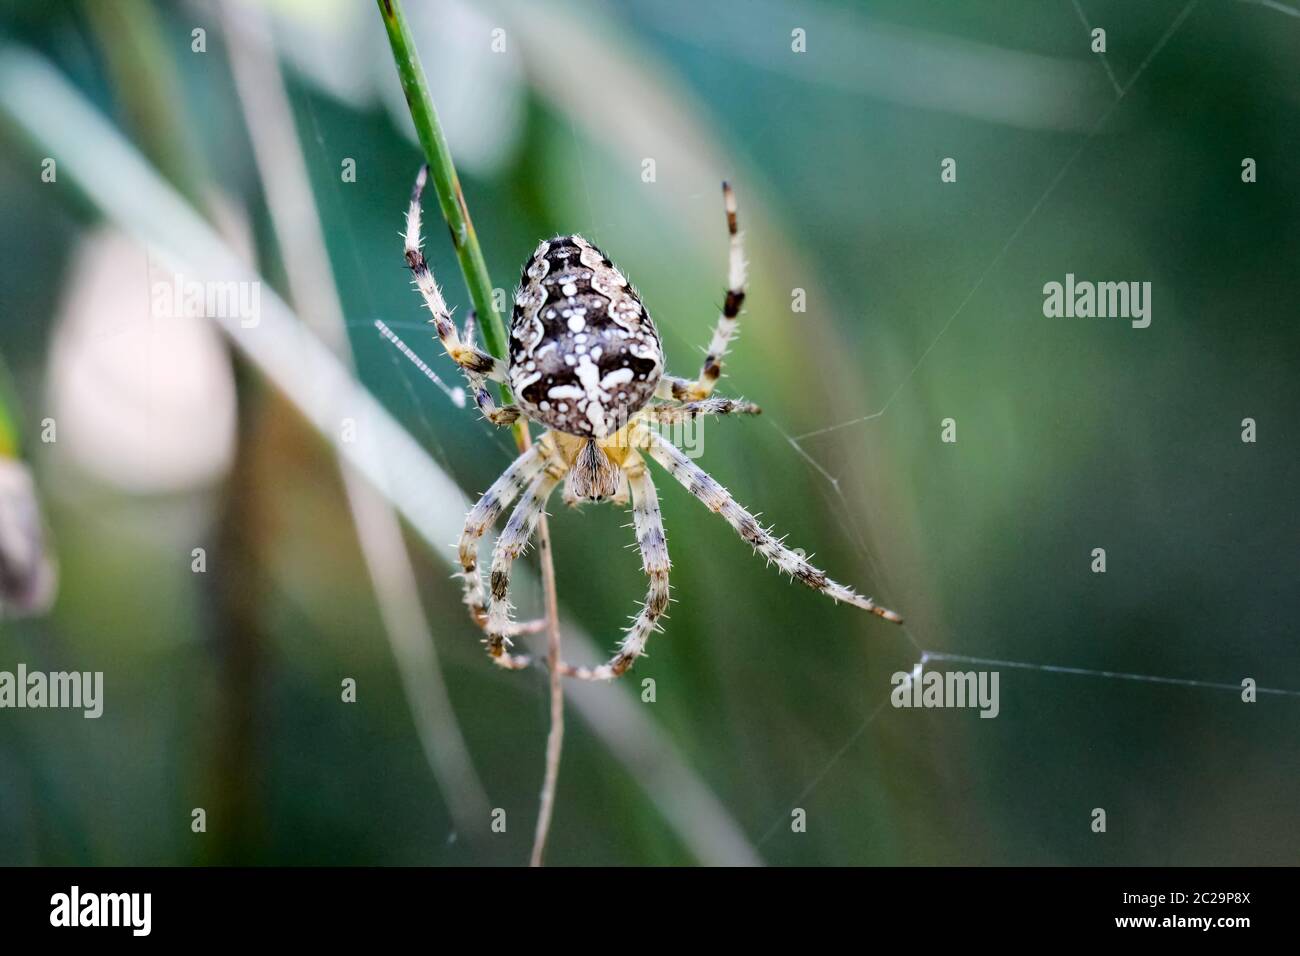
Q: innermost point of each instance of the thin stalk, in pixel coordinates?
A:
(445, 181)
(554, 737)
(451, 199)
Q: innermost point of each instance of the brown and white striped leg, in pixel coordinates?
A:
(465, 355)
(717, 499)
(672, 414)
(726, 328)
(482, 516)
(511, 543)
(674, 388)
(494, 413)
(647, 520)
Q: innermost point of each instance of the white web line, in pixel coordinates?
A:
(457, 395)
(834, 482)
(858, 539)
(1078, 8)
(1273, 5)
(927, 656)
(1015, 234)
(812, 784)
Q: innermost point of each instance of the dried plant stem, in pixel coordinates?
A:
(451, 199)
(555, 737)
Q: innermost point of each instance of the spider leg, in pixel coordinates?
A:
(481, 517)
(726, 327)
(510, 545)
(717, 499)
(466, 355)
(672, 414)
(650, 538)
(494, 413)
(674, 388)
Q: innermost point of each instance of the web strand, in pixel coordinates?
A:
(834, 482)
(1015, 234)
(457, 395)
(928, 656)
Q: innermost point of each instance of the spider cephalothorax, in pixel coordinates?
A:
(586, 362)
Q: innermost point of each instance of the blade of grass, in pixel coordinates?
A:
(451, 198)
(446, 184)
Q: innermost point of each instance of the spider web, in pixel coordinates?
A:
(924, 654)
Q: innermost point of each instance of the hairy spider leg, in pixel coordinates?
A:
(477, 364)
(673, 414)
(482, 516)
(511, 543)
(496, 414)
(718, 500)
(726, 327)
(648, 522)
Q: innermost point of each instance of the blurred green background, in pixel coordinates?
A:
(924, 302)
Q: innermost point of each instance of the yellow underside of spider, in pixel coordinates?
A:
(617, 447)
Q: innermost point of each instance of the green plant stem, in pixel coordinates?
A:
(446, 183)
(452, 200)
(10, 433)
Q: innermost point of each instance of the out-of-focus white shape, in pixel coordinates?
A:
(142, 398)
(27, 570)
(341, 47)
(479, 93)
(319, 38)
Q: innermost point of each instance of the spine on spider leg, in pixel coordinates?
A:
(633, 644)
(650, 538)
(674, 414)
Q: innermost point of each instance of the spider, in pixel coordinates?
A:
(585, 362)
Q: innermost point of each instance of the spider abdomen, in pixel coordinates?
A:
(584, 353)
